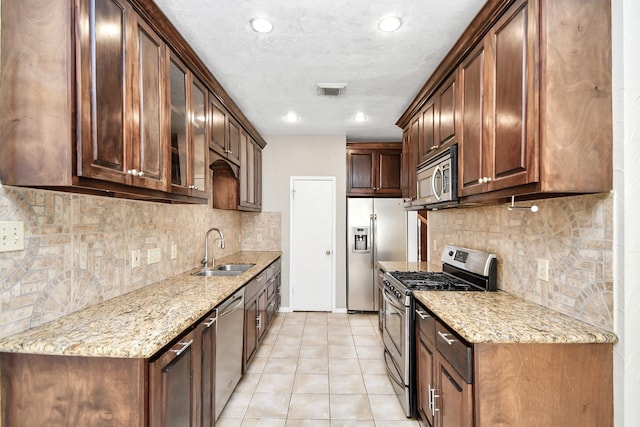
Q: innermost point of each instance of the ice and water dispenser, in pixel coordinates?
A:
(361, 239)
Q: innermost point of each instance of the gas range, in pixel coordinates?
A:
(463, 269)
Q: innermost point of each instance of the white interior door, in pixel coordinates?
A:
(313, 217)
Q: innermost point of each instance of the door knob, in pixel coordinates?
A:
(328, 252)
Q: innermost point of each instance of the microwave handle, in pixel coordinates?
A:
(433, 183)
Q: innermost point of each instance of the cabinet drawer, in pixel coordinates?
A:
(271, 287)
(426, 323)
(273, 269)
(255, 285)
(455, 350)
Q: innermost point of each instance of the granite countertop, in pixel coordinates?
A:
(138, 324)
(499, 317)
(402, 266)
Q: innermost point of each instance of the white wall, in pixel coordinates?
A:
(626, 118)
(287, 156)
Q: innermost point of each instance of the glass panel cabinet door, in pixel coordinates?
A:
(179, 141)
(200, 147)
(103, 89)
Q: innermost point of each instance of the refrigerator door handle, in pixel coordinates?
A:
(372, 250)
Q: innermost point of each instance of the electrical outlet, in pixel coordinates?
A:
(153, 255)
(543, 269)
(258, 237)
(135, 258)
(174, 251)
(11, 236)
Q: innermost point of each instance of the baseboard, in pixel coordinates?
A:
(284, 310)
(340, 310)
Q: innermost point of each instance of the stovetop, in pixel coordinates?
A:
(430, 281)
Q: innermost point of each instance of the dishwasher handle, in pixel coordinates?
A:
(229, 306)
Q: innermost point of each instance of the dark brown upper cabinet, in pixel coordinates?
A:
(250, 174)
(531, 101)
(374, 169)
(225, 133)
(86, 102)
(188, 131)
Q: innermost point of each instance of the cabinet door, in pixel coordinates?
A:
(410, 142)
(361, 168)
(250, 329)
(473, 138)
(206, 333)
(247, 171)
(447, 112)
(148, 152)
(179, 124)
(513, 138)
(453, 399)
(218, 132)
(428, 138)
(199, 146)
(389, 165)
(424, 378)
(103, 94)
(261, 324)
(233, 149)
(172, 391)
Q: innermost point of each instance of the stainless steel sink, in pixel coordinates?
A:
(224, 270)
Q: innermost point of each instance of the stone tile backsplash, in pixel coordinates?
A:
(78, 249)
(574, 233)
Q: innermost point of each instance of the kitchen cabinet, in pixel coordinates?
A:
(498, 119)
(507, 383)
(443, 396)
(262, 302)
(94, 114)
(410, 138)
(438, 120)
(188, 131)
(530, 83)
(250, 174)
(225, 136)
(121, 96)
(374, 169)
(255, 307)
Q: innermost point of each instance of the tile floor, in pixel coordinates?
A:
(317, 370)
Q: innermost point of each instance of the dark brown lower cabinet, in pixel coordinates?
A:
(174, 389)
(512, 384)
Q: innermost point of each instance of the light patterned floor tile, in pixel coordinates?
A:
(309, 406)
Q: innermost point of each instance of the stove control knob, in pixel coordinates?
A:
(391, 287)
(398, 295)
(450, 253)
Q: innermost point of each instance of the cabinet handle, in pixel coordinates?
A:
(211, 321)
(447, 340)
(422, 314)
(259, 322)
(228, 151)
(185, 345)
(433, 401)
(195, 187)
(433, 147)
(140, 173)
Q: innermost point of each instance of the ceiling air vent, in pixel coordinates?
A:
(331, 89)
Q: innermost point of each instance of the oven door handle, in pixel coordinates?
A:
(392, 302)
(437, 171)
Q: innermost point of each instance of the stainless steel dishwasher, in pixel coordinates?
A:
(229, 348)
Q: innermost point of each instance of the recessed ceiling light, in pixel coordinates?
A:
(261, 25)
(291, 117)
(359, 117)
(389, 23)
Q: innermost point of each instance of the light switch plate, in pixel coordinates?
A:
(11, 236)
(174, 251)
(153, 255)
(259, 238)
(135, 258)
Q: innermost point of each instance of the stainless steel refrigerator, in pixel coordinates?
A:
(377, 230)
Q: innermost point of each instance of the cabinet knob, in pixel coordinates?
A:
(140, 173)
(480, 180)
(133, 172)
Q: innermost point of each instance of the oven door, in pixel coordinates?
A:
(394, 333)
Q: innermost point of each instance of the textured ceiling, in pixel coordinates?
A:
(322, 41)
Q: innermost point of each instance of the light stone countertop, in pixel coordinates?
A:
(138, 324)
(402, 266)
(498, 317)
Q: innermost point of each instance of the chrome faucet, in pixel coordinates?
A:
(205, 260)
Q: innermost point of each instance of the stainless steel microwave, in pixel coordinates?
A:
(438, 180)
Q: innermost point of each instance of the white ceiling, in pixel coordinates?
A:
(322, 41)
